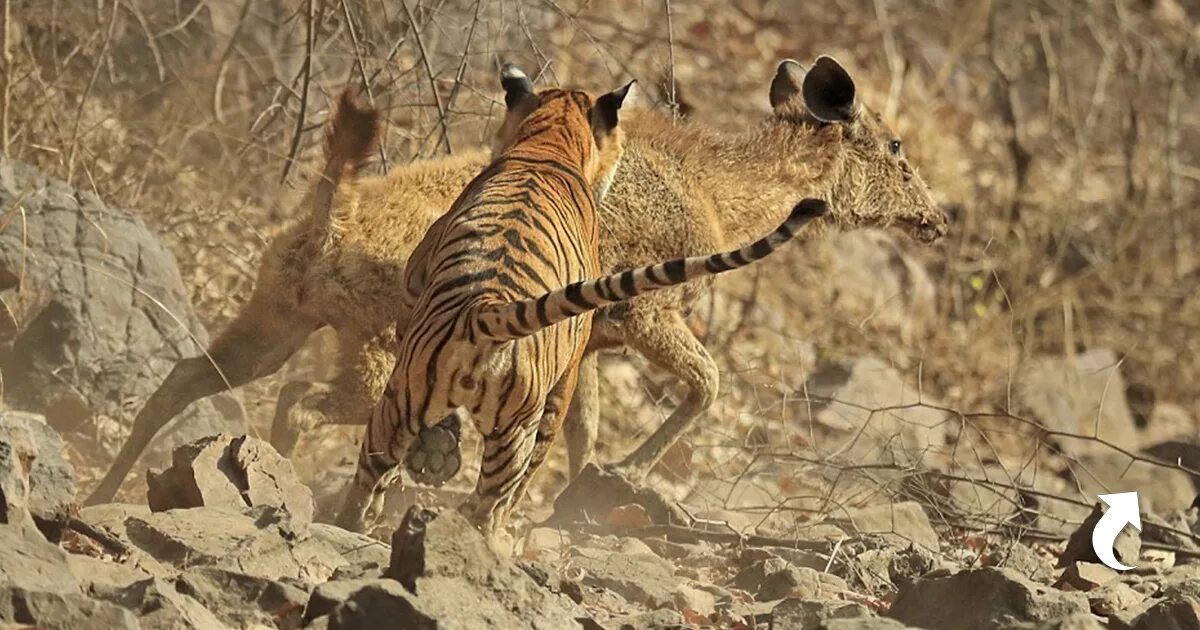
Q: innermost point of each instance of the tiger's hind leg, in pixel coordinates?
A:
(364, 367)
(378, 468)
(511, 458)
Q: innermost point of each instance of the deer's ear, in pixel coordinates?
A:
(605, 113)
(517, 86)
(829, 92)
(786, 86)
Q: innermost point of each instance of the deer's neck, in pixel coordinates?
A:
(752, 179)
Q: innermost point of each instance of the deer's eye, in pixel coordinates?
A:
(466, 381)
(894, 147)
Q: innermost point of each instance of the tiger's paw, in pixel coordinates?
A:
(435, 455)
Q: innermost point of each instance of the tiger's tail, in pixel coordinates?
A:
(518, 319)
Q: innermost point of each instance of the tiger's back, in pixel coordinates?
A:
(523, 227)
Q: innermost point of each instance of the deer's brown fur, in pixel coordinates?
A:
(682, 190)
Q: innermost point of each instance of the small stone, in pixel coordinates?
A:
(1086, 576)
(809, 614)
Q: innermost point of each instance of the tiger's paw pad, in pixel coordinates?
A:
(435, 456)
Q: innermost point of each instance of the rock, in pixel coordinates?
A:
(1126, 548)
(904, 524)
(981, 598)
(1160, 489)
(879, 280)
(30, 563)
(328, 596)
(231, 472)
(1020, 558)
(460, 581)
(1077, 621)
(1184, 451)
(880, 569)
(653, 620)
(873, 623)
(95, 574)
(36, 453)
(646, 580)
(1169, 422)
(62, 611)
(355, 548)
(1078, 396)
(1086, 576)
(1114, 597)
(774, 578)
(596, 492)
(159, 606)
(1170, 614)
(687, 597)
(809, 614)
(101, 315)
(243, 601)
(546, 540)
(253, 543)
(840, 398)
(386, 602)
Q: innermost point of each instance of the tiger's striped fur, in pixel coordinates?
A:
(525, 225)
(502, 302)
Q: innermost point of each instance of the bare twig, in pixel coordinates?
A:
(310, 35)
(437, 99)
(74, 142)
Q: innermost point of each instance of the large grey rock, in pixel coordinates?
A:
(99, 316)
(982, 598)
(462, 583)
(258, 542)
(159, 606)
(28, 562)
(234, 473)
(32, 463)
(1078, 396)
(868, 412)
(62, 611)
(809, 614)
(243, 601)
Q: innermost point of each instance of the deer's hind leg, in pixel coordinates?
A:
(582, 425)
(663, 337)
(364, 366)
(257, 343)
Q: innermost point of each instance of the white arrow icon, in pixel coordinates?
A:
(1122, 510)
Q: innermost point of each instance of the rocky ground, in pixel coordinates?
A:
(229, 540)
(824, 492)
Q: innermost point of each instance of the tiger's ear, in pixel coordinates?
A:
(604, 113)
(516, 84)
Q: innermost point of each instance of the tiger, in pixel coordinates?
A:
(502, 291)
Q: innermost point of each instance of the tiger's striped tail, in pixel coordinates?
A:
(518, 319)
(351, 138)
